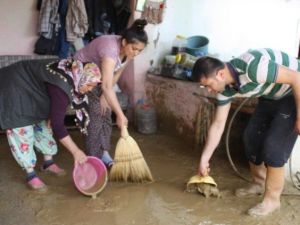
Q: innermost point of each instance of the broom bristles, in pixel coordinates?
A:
(130, 164)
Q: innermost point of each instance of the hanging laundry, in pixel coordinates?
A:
(63, 44)
(123, 13)
(76, 20)
(107, 17)
(49, 24)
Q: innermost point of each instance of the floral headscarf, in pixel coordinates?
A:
(81, 74)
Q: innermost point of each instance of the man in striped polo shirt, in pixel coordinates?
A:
(274, 77)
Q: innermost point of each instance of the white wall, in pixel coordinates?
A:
(18, 25)
(234, 26)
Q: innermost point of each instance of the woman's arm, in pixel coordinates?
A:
(59, 102)
(104, 105)
(107, 70)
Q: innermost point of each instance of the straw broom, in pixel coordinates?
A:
(130, 164)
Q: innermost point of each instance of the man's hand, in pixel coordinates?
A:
(203, 169)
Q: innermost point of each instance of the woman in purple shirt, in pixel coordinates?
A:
(111, 53)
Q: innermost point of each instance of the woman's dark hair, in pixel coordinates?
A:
(206, 67)
(136, 32)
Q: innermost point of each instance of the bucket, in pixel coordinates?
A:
(91, 177)
(197, 46)
(145, 119)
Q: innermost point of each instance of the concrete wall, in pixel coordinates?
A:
(178, 104)
(175, 103)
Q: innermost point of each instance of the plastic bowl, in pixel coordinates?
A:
(91, 177)
(197, 45)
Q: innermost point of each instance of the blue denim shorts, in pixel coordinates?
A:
(270, 134)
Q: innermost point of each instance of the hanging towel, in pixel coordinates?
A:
(76, 21)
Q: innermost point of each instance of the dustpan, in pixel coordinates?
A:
(205, 185)
(197, 179)
(129, 163)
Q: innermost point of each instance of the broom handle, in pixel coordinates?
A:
(124, 132)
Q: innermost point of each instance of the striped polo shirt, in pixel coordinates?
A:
(257, 73)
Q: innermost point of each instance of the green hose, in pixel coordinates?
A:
(227, 139)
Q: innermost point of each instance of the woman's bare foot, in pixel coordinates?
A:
(264, 209)
(253, 189)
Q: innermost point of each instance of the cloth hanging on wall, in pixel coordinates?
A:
(107, 16)
(63, 44)
(49, 21)
(62, 22)
(76, 20)
(122, 13)
(48, 29)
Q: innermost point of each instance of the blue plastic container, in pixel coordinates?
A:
(197, 45)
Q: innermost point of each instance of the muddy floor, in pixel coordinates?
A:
(171, 160)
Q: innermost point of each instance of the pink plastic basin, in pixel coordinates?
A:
(90, 178)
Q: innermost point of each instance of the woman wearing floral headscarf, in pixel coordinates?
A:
(35, 94)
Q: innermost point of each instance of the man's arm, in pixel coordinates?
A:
(288, 76)
(214, 136)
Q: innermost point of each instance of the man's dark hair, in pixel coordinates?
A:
(206, 67)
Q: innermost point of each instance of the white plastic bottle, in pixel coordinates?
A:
(178, 45)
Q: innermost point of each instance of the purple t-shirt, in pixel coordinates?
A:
(103, 46)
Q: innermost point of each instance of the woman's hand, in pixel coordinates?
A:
(124, 132)
(78, 154)
(104, 106)
(122, 121)
(79, 157)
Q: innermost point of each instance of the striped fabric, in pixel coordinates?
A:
(49, 21)
(6, 60)
(257, 75)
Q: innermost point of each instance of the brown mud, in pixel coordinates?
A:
(164, 202)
